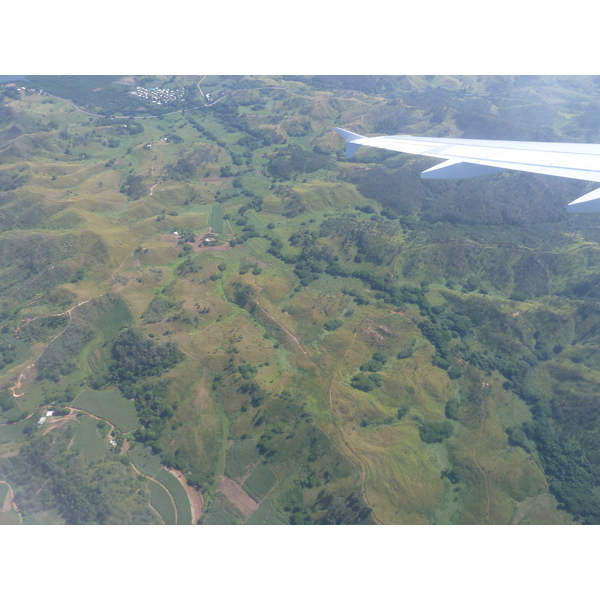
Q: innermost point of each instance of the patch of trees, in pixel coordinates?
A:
(25, 212)
(477, 121)
(133, 187)
(243, 294)
(332, 324)
(259, 138)
(572, 477)
(46, 474)
(131, 128)
(434, 433)
(200, 129)
(13, 179)
(292, 202)
(368, 237)
(6, 400)
(184, 168)
(393, 190)
(152, 411)
(189, 265)
(376, 363)
(187, 164)
(158, 309)
(293, 160)
(366, 383)
(42, 329)
(227, 112)
(8, 354)
(135, 357)
(342, 511)
(59, 357)
(503, 199)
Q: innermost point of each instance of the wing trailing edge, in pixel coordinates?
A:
(452, 169)
(474, 158)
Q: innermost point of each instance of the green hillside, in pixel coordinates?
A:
(209, 285)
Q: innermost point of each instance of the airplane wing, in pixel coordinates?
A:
(472, 158)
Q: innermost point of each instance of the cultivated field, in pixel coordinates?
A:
(110, 405)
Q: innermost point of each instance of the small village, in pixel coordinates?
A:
(158, 95)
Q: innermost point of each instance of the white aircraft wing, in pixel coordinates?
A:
(471, 158)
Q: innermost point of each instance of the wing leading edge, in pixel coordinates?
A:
(473, 158)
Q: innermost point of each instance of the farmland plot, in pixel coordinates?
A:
(184, 510)
(110, 405)
(261, 482)
(161, 501)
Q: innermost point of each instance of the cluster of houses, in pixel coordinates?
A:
(158, 95)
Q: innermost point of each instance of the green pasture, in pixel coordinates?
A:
(255, 221)
(216, 218)
(20, 347)
(114, 319)
(161, 501)
(144, 460)
(109, 404)
(9, 518)
(267, 515)
(261, 481)
(221, 512)
(241, 459)
(10, 433)
(46, 517)
(182, 501)
(87, 438)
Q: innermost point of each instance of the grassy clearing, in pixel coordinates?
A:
(10, 433)
(222, 512)
(241, 459)
(9, 518)
(87, 439)
(261, 482)
(109, 404)
(184, 510)
(144, 460)
(161, 501)
(114, 319)
(216, 219)
(267, 515)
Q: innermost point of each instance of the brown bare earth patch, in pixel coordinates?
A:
(25, 376)
(218, 181)
(236, 494)
(58, 421)
(127, 80)
(196, 499)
